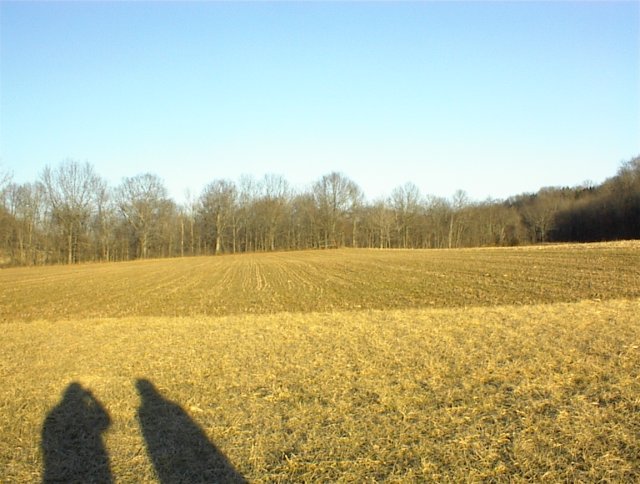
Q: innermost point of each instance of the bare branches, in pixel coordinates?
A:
(72, 215)
(72, 190)
(143, 202)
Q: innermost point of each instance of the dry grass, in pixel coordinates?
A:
(539, 392)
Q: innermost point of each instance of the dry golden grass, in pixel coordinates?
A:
(534, 392)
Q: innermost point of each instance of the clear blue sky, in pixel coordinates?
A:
(493, 98)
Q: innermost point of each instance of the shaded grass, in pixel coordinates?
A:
(320, 281)
(535, 393)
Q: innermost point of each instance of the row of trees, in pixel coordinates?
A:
(71, 215)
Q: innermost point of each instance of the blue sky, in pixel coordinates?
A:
(494, 98)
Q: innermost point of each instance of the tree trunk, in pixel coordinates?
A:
(354, 234)
(70, 247)
(192, 241)
(218, 233)
(181, 237)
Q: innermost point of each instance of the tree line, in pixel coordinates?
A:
(71, 215)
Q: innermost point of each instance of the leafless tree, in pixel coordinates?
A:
(438, 213)
(335, 196)
(304, 220)
(6, 219)
(539, 214)
(5, 180)
(270, 208)
(190, 211)
(217, 206)
(71, 190)
(71, 215)
(25, 204)
(405, 201)
(457, 218)
(143, 202)
(382, 223)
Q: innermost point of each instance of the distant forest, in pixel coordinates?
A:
(71, 215)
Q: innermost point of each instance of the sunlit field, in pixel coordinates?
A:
(321, 281)
(518, 364)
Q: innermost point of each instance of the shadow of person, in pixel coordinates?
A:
(71, 439)
(177, 446)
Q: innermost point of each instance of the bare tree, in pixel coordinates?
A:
(25, 205)
(438, 213)
(405, 201)
(104, 222)
(6, 219)
(217, 205)
(457, 218)
(493, 223)
(335, 196)
(540, 212)
(143, 202)
(271, 208)
(71, 191)
(382, 222)
(244, 220)
(304, 219)
(5, 180)
(191, 212)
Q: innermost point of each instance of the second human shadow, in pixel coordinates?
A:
(177, 446)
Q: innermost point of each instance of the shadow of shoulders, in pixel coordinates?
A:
(72, 445)
(178, 448)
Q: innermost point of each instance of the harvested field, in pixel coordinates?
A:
(472, 365)
(321, 281)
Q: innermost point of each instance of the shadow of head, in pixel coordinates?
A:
(177, 445)
(146, 388)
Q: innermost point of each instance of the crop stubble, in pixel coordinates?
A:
(322, 281)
